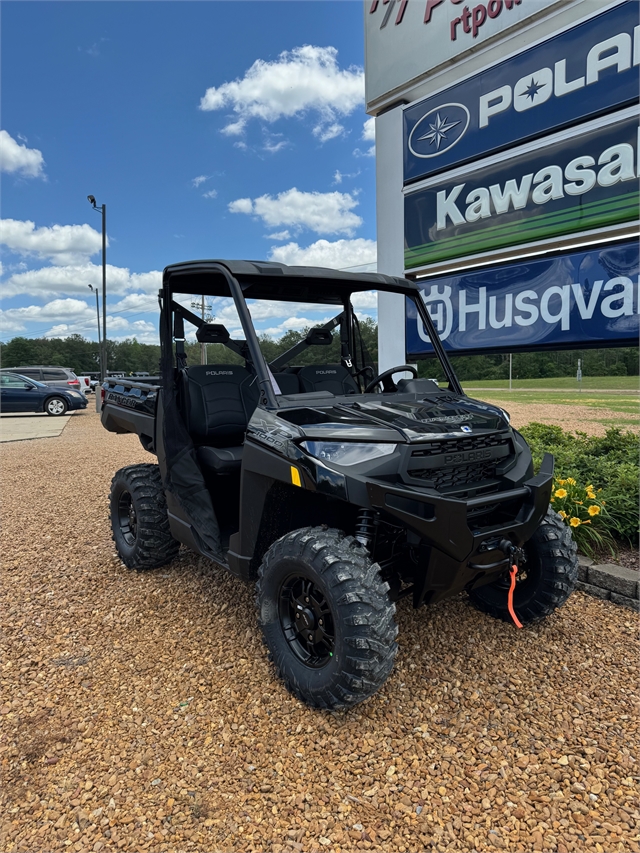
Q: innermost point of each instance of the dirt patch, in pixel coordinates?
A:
(140, 711)
(593, 421)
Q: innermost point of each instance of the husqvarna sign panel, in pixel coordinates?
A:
(405, 40)
(550, 189)
(585, 298)
(590, 69)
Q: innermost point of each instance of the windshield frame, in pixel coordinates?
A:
(236, 290)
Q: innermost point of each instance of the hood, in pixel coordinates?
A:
(398, 418)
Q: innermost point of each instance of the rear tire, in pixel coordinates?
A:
(326, 617)
(545, 580)
(139, 518)
(56, 406)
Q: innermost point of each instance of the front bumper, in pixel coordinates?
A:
(457, 549)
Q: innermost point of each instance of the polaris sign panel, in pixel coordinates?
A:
(588, 70)
(581, 299)
(549, 191)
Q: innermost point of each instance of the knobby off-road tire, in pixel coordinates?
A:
(548, 576)
(139, 519)
(319, 583)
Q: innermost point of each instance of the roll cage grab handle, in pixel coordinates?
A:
(267, 394)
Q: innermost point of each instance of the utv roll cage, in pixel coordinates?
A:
(244, 280)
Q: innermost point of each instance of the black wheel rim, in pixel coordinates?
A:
(307, 621)
(127, 520)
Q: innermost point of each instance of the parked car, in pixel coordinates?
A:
(85, 384)
(48, 375)
(18, 393)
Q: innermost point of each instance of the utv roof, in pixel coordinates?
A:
(268, 280)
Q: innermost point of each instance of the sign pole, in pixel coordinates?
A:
(510, 369)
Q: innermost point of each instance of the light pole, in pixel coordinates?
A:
(95, 290)
(102, 208)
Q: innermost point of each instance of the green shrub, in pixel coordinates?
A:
(608, 463)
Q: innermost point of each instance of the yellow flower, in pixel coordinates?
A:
(563, 514)
(580, 503)
(594, 509)
(561, 482)
(571, 481)
(575, 522)
(591, 496)
(560, 493)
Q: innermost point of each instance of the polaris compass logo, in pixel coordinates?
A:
(465, 428)
(439, 130)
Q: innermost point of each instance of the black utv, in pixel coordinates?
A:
(336, 488)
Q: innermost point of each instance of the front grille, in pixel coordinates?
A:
(461, 445)
(455, 477)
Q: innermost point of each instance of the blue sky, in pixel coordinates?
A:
(210, 129)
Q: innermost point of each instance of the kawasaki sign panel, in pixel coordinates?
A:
(585, 71)
(550, 190)
(581, 299)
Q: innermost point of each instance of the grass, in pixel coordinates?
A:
(561, 383)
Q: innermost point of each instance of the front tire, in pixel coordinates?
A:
(326, 617)
(544, 582)
(139, 518)
(56, 406)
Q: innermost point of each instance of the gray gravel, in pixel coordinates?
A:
(140, 712)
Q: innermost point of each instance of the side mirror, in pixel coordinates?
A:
(27, 387)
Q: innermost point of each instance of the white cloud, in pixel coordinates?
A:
(14, 319)
(325, 213)
(279, 235)
(305, 79)
(241, 205)
(18, 158)
(340, 254)
(56, 280)
(369, 130)
(199, 180)
(61, 244)
(75, 316)
(210, 194)
(339, 176)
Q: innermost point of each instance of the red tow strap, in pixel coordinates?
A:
(512, 612)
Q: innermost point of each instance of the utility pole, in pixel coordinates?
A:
(510, 369)
(206, 317)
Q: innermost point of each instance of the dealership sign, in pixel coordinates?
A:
(581, 299)
(405, 40)
(585, 71)
(552, 189)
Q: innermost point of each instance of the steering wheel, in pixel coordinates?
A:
(385, 378)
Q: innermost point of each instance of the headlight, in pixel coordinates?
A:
(347, 453)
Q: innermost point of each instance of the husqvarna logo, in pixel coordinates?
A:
(440, 307)
(439, 130)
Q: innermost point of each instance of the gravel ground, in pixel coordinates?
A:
(582, 418)
(139, 711)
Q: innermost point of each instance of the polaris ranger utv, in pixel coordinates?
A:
(337, 489)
